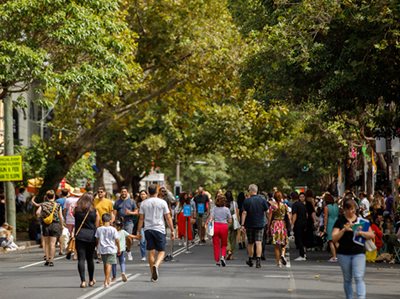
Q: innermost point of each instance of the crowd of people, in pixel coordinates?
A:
(104, 229)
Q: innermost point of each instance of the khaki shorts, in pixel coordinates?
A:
(110, 259)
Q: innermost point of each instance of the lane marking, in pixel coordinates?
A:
(108, 290)
(102, 291)
(292, 281)
(41, 262)
(277, 276)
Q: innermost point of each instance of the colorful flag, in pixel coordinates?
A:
(374, 167)
(364, 151)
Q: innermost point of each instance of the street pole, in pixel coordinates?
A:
(9, 151)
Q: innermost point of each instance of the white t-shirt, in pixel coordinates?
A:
(365, 206)
(70, 204)
(107, 236)
(154, 210)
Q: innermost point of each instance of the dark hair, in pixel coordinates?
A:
(118, 223)
(294, 195)
(64, 192)
(50, 194)
(182, 198)
(106, 217)
(229, 196)
(152, 189)
(101, 189)
(85, 202)
(220, 200)
(278, 196)
(309, 193)
(329, 198)
(124, 188)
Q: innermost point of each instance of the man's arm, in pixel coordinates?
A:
(140, 224)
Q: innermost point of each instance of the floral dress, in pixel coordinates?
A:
(278, 225)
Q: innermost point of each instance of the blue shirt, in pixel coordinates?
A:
(120, 205)
(61, 202)
(255, 207)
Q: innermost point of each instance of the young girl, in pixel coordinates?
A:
(108, 245)
(123, 234)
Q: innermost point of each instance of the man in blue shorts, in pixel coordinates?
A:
(151, 214)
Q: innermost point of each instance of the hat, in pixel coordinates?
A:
(77, 192)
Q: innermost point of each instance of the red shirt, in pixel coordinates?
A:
(378, 236)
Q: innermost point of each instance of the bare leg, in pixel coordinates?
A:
(258, 248)
(46, 247)
(52, 248)
(277, 253)
(160, 258)
(152, 258)
(250, 250)
(107, 273)
(333, 249)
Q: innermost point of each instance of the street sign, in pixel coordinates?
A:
(10, 168)
(201, 208)
(187, 211)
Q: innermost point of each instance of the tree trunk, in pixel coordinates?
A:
(135, 183)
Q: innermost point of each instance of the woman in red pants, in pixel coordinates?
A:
(221, 216)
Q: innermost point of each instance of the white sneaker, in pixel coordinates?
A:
(300, 259)
(143, 259)
(129, 255)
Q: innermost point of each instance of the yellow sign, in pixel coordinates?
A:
(10, 168)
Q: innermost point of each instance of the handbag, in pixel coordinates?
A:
(370, 245)
(236, 224)
(71, 242)
(49, 219)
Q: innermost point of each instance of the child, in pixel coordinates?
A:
(108, 246)
(6, 237)
(123, 234)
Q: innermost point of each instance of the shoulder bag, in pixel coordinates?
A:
(49, 219)
(71, 242)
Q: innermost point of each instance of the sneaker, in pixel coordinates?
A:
(46, 263)
(223, 263)
(300, 259)
(283, 260)
(51, 264)
(143, 259)
(203, 241)
(154, 273)
(258, 263)
(333, 260)
(218, 264)
(129, 255)
(249, 262)
(123, 277)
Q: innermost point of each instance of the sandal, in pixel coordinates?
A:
(83, 284)
(92, 283)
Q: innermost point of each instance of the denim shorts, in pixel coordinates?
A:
(155, 240)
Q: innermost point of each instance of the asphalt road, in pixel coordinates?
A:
(22, 275)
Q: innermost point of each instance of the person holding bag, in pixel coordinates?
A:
(52, 222)
(234, 226)
(87, 220)
(351, 255)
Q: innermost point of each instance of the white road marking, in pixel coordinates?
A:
(41, 262)
(102, 291)
(277, 276)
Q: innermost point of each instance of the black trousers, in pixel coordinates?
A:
(86, 251)
(299, 231)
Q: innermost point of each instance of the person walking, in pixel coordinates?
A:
(253, 222)
(202, 208)
(277, 212)
(124, 209)
(103, 205)
(241, 235)
(151, 215)
(87, 220)
(51, 230)
(331, 213)
(232, 232)
(351, 255)
(181, 219)
(142, 242)
(299, 222)
(108, 245)
(309, 240)
(222, 217)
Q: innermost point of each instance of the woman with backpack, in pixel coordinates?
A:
(50, 215)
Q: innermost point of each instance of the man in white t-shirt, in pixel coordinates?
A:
(364, 204)
(151, 214)
(69, 207)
